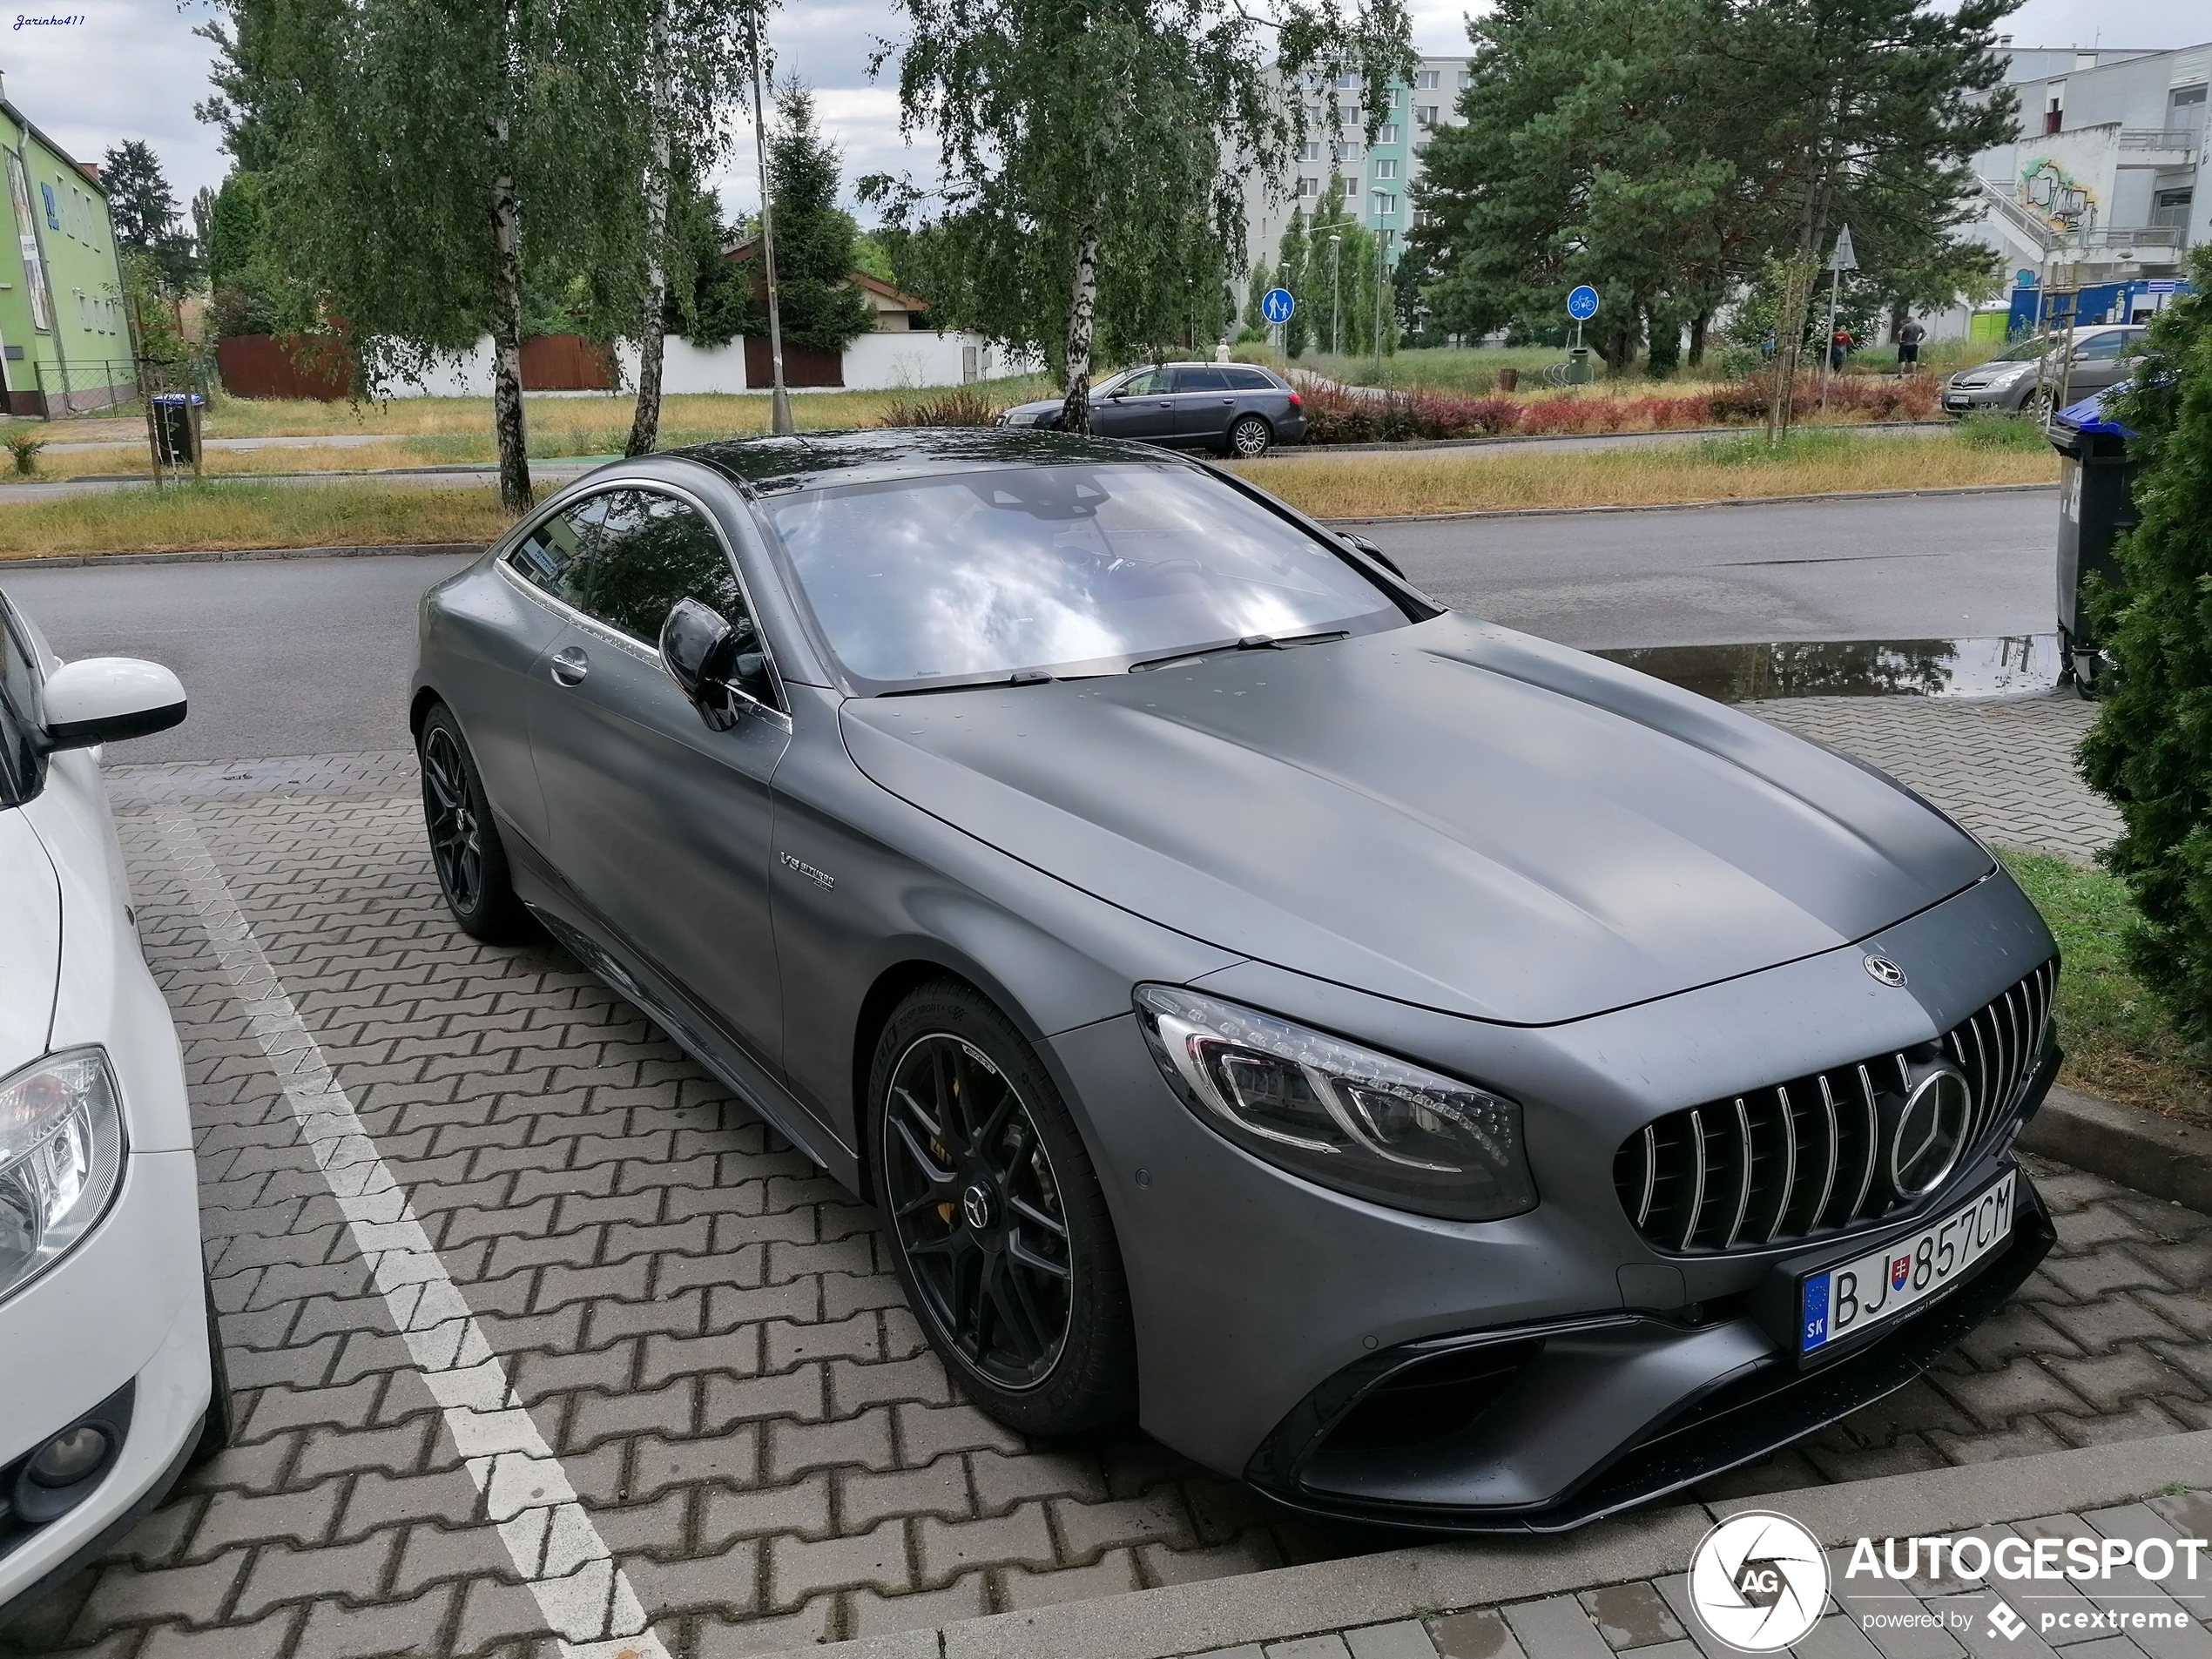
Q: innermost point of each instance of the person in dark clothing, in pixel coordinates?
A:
(1908, 344)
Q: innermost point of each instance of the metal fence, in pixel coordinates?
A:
(37, 388)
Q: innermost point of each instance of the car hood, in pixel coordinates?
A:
(1451, 814)
(30, 942)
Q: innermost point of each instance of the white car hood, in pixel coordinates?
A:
(30, 942)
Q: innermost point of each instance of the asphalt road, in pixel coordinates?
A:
(1908, 568)
(291, 657)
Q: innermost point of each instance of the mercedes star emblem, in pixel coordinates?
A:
(1886, 970)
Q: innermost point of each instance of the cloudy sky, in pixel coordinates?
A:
(132, 68)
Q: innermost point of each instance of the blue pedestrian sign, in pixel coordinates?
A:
(1581, 304)
(1276, 305)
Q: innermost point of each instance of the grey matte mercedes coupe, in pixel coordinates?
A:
(1442, 1078)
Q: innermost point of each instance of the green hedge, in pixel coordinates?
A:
(2151, 749)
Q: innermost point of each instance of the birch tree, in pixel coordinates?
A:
(430, 156)
(697, 59)
(1089, 152)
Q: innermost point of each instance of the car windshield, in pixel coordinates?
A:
(2026, 352)
(1058, 569)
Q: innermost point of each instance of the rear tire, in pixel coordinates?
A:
(998, 1227)
(465, 848)
(1249, 437)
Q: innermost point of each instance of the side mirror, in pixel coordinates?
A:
(714, 663)
(106, 699)
(1374, 553)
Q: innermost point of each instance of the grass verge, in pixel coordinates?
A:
(2118, 1041)
(239, 513)
(574, 424)
(1716, 469)
(228, 516)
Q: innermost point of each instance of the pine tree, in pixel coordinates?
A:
(822, 307)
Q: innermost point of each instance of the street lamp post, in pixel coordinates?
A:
(1336, 289)
(779, 397)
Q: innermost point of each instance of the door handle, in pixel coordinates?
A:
(570, 666)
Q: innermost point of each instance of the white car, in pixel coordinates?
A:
(111, 1372)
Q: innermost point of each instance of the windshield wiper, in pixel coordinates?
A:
(1019, 677)
(1250, 641)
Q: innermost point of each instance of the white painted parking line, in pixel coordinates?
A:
(567, 1567)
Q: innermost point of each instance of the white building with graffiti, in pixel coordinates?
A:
(2102, 197)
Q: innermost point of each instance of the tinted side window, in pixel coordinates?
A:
(2102, 347)
(1200, 380)
(1143, 383)
(1249, 380)
(19, 716)
(544, 556)
(648, 552)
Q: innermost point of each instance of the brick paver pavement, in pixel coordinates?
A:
(2129, 1617)
(2004, 769)
(706, 1331)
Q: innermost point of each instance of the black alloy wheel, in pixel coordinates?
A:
(978, 1211)
(1001, 1231)
(1249, 437)
(465, 848)
(456, 833)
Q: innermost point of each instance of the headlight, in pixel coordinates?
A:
(1018, 417)
(1345, 1116)
(61, 1159)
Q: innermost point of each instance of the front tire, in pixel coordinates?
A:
(1249, 437)
(220, 1424)
(999, 1229)
(465, 847)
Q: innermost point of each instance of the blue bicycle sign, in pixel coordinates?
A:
(1581, 304)
(1276, 305)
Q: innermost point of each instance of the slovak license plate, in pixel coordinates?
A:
(1839, 1302)
(1956, 402)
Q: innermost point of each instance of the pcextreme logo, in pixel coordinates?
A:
(1760, 1581)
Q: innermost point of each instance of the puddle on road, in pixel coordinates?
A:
(2012, 666)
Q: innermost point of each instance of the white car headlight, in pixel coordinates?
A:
(1347, 1117)
(61, 1159)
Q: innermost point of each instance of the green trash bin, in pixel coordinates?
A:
(2097, 504)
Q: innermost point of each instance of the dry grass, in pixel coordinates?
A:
(599, 423)
(238, 513)
(131, 461)
(1719, 469)
(232, 515)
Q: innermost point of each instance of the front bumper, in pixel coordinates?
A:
(1264, 1304)
(1973, 399)
(1764, 1403)
(126, 1311)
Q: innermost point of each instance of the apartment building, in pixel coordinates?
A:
(65, 344)
(2096, 205)
(1377, 177)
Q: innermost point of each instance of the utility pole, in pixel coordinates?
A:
(780, 398)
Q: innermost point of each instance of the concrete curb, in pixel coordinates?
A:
(403, 549)
(1690, 506)
(1322, 1597)
(2159, 1156)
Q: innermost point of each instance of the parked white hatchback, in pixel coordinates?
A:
(110, 1374)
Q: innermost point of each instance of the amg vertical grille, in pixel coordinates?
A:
(1810, 1155)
